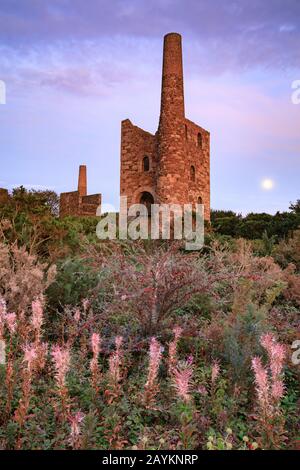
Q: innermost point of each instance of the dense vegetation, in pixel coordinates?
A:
(254, 226)
(141, 344)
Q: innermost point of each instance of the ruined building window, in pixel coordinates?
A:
(200, 200)
(199, 140)
(186, 132)
(146, 163)
(192, 173)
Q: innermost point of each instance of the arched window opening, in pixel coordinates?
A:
(186, 131)
(199, 140)
(147, 199)
(200, 200)
(192, 173)
(146, 163)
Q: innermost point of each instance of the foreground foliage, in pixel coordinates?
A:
(145, 346)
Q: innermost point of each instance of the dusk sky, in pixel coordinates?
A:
(74, 69)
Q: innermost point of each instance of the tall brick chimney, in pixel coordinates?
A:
(171, 166)
(82, 181)
(172, 95)
(171, 181)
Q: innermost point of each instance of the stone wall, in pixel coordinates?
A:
(78, 203)
(136, 144)
(197, 142)
(89, 204)
(72, 203)
(69, 204)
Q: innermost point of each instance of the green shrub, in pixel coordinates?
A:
(241, 341)
(74, 282)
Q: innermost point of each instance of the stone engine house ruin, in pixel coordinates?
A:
(78, 203)
(172, 166)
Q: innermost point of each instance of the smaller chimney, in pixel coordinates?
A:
(82, 182)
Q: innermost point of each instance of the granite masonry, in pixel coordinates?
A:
(78, 203)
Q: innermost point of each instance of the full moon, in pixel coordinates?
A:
(267, 184)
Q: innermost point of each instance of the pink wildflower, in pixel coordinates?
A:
(277, 390)
(154, 361)
(118, 342)
(261, 382)
(75, 421)
(269, 386)
(61, 359)
(115, 361)
(2, 315)
(37, 316)
(267, 341)
(10, 319)
(151, 386)
(215, 371)
(115, 371)
(276, 353)
(95, 342)
(173, 348)
(277, 359)
(94, 367)
(42, 351)
(30, 355)
(182, 376)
